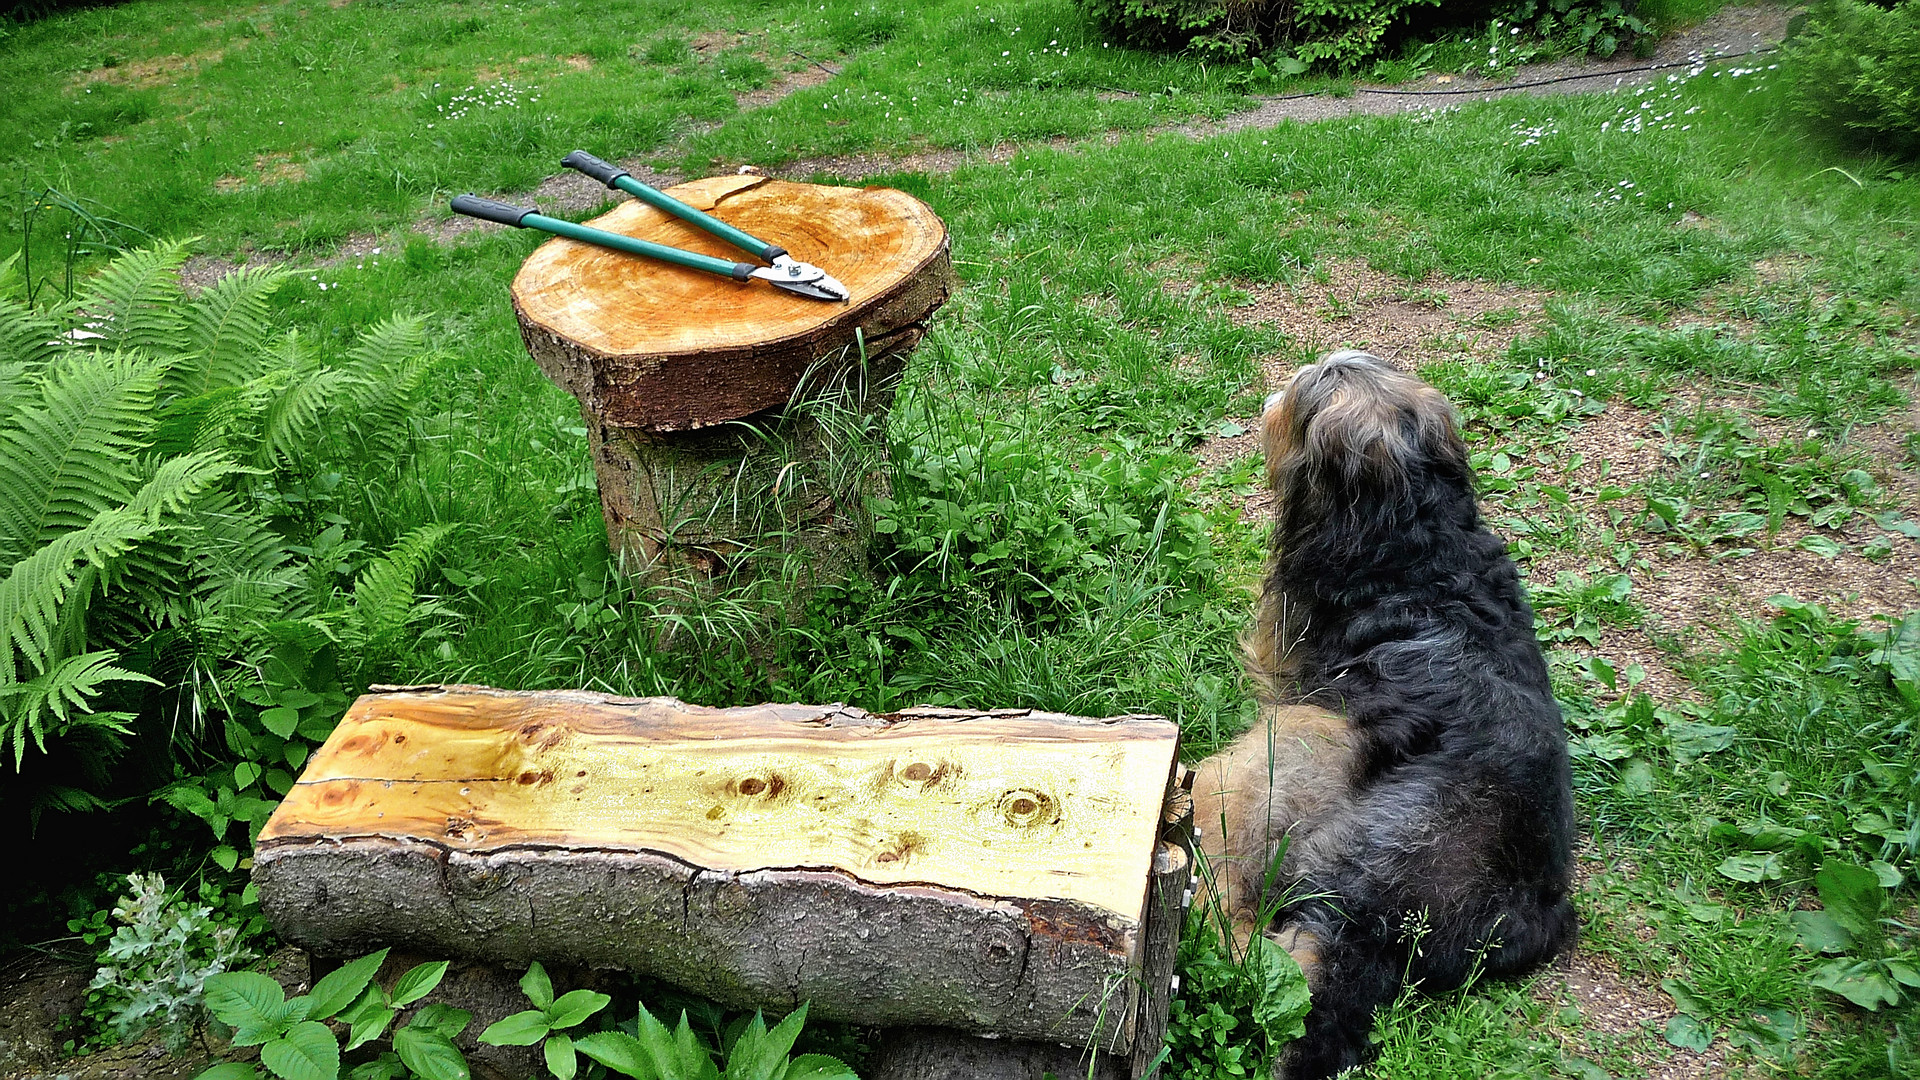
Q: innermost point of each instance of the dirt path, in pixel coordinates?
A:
(1730, 32)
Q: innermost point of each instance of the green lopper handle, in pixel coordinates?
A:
(525, 218)
(616, 177)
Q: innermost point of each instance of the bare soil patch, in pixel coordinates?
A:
(788, 83)
(1627, 1014)
(149, 72)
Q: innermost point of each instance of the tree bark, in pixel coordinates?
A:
(982, 871)
(666, 362)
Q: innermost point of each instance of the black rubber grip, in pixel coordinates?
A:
(604, 171)
(772, 252)
(488, 210)
(743, 271)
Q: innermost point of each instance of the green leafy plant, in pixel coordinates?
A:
(1854, 70)
(652, 1052)
(1851, 927)
(154, 969)
(295, 1043)
(145, 441)
(547, 1022)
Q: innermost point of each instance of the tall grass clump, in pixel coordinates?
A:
(1855, 72)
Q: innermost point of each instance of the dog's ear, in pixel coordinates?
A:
(1350, 430)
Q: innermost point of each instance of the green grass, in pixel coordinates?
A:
(1051, 541)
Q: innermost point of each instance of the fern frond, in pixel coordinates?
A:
(135, 302)
(71, 454)
(383, 599)
(214, 420)
(38, 586)
(27, 337)
(228, 327)
(385, 345)
(296, 411)
(59, 700)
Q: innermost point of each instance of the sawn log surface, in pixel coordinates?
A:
(650, 346)
(981, 871)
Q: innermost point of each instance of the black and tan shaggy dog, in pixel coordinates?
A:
(1411, 752)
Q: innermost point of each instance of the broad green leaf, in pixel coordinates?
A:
(1889, 874)
(759, 1052)
(1685, 998)
(280, 721)
(520, 1029)
(561, 1061)
(429, 1053)
(1768, 1032)
(574, 1007)
(385, 1067)
(620, 1052)
(1691, 741)
(1764, 866)
(1903, 973)
(441, 1019)
(419, 982)
(1820, 545)
(1852, 895)
(306, 1052)
(536, 985)
(225, 857)
(819, 1067)
(1688, 1033)
(1818, 932)
(1581, 1069)
(369, 1026)
(230, 1070)
(342, 985)
(251, 1004)
(1859, 981)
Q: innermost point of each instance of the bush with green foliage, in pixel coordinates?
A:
(1855, 71)
(159, 549)
(1344, 33)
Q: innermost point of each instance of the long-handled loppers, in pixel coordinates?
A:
(786, 272)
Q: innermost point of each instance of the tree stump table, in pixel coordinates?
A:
(1009, 872)
(718, 411)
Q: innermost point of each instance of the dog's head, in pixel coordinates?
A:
(1350, 434)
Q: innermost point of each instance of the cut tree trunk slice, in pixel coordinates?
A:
(983, 871)
(648, 345)
(664, 360)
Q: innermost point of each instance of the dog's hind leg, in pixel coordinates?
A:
(1262, 791)
(1350, 975)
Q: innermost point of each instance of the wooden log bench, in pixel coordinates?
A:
(1011, 872)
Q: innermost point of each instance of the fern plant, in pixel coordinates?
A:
(139, 430)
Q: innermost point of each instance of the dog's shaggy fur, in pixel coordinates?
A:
(1411, 752)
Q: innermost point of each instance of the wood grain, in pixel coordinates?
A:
(1033, 806)
(645, 344)
(980, 871)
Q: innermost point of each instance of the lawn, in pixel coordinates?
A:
(1680, 332)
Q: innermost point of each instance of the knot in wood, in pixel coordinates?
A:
(1025, 808)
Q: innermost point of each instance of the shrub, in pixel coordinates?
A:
(1854, 70)
(147, 444)
(1343, 33)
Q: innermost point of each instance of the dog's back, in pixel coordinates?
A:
(1389, 601)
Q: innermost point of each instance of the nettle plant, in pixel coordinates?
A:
(296, 1044)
